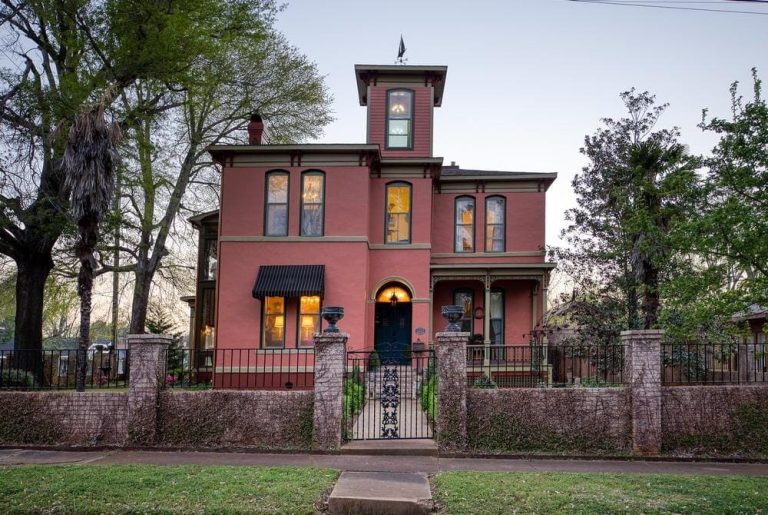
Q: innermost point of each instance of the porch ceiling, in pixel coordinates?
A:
(492, 272)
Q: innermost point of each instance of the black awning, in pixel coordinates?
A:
(289, 281)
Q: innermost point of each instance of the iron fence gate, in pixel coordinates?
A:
(389, 395)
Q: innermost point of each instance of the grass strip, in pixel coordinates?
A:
(162, 489)
(552, 493)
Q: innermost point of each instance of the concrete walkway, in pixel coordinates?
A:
(411, 420)
(424, 464)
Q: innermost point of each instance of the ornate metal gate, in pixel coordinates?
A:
(390, 394)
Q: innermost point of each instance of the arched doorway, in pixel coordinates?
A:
(392, 331)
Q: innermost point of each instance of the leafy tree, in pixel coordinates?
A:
(168, 170)
(630, 197)
(732, 229)
(62, 56)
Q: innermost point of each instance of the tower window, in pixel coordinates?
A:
(400, 119)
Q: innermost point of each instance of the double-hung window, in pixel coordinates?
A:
(312, 200)
(274, 322)
(494, 224)
(276, 208)
(465, 225)
(398, 213)
(309, 319)
(399, 119)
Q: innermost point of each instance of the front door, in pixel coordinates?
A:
(392, 335)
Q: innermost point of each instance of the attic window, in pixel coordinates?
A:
(399, 119)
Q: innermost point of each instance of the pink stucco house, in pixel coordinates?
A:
(383, 228)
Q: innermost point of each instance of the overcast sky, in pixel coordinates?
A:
(528, 79)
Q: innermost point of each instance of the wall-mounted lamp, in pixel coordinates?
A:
(393, 299)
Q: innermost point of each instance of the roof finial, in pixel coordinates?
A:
(401, 52)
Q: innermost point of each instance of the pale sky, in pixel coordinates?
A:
(528, 79)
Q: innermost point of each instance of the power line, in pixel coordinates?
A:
(654, 5)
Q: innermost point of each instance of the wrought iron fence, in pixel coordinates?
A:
(705, 363)
(528, 366)
(32, 369)
(242, 369)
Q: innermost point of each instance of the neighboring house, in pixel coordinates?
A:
(382, 228)
(756, 318)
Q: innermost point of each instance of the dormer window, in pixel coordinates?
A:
(400, 119)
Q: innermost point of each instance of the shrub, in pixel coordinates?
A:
(17, 378)
(373, 360)
(484, 381)
(354, 394)
(428, 394)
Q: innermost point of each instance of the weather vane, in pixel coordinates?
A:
(401, 52)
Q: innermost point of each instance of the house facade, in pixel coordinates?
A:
(384, 229)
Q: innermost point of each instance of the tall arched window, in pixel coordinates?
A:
(399, 119)
(495, 220)
(312, 203)
(276, 205)
(398, 213)
(465, 225)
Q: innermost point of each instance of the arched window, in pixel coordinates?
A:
(312, 203)
(276, 204)
(465, 225)
(399, 119)
(495, 221)
(397, 217)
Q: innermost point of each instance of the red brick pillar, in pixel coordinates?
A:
(451, 354)
(330, 362)
(643, 354)
(146, 361)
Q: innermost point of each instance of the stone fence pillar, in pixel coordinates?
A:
(146, 361)
(451, 353)
(643, 353)
(330, 362)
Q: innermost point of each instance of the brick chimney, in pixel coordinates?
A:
(257, 131)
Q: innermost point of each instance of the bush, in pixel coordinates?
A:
(484, 381)
(428, 397)
(17, 378)
(354, 394)
(373, 360)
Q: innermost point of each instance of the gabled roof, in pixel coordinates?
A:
(198, 220)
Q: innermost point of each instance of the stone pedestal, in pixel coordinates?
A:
(643, 369)
(451, 354)
(146, 359)
(330, 362)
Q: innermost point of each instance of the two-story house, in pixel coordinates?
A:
(383, 228)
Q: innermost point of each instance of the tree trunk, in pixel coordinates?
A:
(140, 302)
(651, 299)
(32, 273)
(89, 234)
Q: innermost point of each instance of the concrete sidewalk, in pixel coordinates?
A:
(425, 464)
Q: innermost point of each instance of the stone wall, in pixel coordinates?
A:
(63, 418)
(520, 420)
(715, 420)
(240, 419)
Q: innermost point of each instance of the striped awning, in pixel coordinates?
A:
(289, 281)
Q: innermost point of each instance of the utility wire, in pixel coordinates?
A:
(675, 7)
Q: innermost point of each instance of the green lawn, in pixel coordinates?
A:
(510, 492)
(161, 489)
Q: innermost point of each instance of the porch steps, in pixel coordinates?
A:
(394, 447)
(381, 492)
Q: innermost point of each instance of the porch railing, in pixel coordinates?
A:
(541, 365)
(49, 369)
(242, 369)
(707, 363)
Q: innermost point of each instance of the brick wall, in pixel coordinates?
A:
(63, 418)
(238, 419)
(548, 420)
(718, 420)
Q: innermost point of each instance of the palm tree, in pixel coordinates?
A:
(89, 163)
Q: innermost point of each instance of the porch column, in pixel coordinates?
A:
(330, 362)
(487, 322)
(451, 353)
(534, 304)
(146, 363)
(643, 350)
